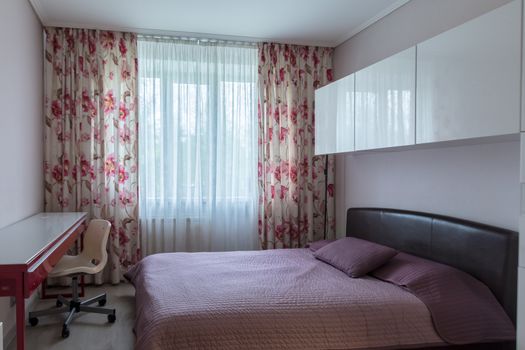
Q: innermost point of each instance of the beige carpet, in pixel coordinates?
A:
(88, 331)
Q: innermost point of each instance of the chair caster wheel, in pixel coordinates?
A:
(65, 332)
(59, 303)
(112, 318)
(33, 321)
(102, 302)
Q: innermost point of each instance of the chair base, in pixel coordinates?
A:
(74, 306)
(46, 295)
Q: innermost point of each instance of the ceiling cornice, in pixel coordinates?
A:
(38, 10)
(371, 21)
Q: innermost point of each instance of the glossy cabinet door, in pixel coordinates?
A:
(468, 78)
(334, 117)
(385, 102)
(325, 118)
(345, 114)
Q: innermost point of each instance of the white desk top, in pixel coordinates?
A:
(23, 240)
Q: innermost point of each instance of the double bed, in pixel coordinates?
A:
(288, 299)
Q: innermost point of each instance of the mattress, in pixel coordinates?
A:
(276, 299)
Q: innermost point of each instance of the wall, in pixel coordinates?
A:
(21, 130)
(477, 182)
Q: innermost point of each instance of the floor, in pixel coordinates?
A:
(88, 331)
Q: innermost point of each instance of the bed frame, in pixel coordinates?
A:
(488, 253)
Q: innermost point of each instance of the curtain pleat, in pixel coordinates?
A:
(90, 148)
(296, 188)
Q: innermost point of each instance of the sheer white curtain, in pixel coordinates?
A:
(197, 145)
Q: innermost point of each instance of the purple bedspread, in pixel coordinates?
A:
(463, 309)
(277, 299)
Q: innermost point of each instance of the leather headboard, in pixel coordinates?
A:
(488, 253)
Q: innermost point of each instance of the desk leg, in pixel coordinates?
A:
(20, 314)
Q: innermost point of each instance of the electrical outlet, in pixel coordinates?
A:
(12, 301)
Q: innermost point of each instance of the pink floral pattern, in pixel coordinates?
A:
(91, 133)
(294, 192)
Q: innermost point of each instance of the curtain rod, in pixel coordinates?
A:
(195, 39)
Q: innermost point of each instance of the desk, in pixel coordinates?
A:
(29, 249)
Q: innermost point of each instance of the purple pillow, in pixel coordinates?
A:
(319, 244)
(354, 256)
(463, 309)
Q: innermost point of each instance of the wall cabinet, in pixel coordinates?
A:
(468, 79)
(464, 83)
(325, 119)
(385, 102)
(334, 117)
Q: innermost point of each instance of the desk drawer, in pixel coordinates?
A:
(35, 278)
(7, 287)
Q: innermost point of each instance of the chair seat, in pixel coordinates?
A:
(75, 264)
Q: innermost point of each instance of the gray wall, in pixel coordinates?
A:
(21, 130)
(476, 182)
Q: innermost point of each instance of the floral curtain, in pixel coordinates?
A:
(296, 188)
(91, 134)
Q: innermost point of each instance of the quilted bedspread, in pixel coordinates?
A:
(275, 299)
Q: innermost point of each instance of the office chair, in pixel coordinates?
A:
(90, 261)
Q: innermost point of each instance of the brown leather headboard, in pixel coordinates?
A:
(488, 253)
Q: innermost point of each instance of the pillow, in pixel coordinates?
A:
(319, 244)
(354, 256)
(463, 309)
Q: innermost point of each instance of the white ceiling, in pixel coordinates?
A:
(305, 22)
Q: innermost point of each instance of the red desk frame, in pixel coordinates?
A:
(20, 281)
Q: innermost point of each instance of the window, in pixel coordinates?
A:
(198, 134)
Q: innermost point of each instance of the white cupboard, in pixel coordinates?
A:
(464, 83)
(334, 117)
(325, 115)
(385, 102)
(468, 79)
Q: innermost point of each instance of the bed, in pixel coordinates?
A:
(288, 299)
